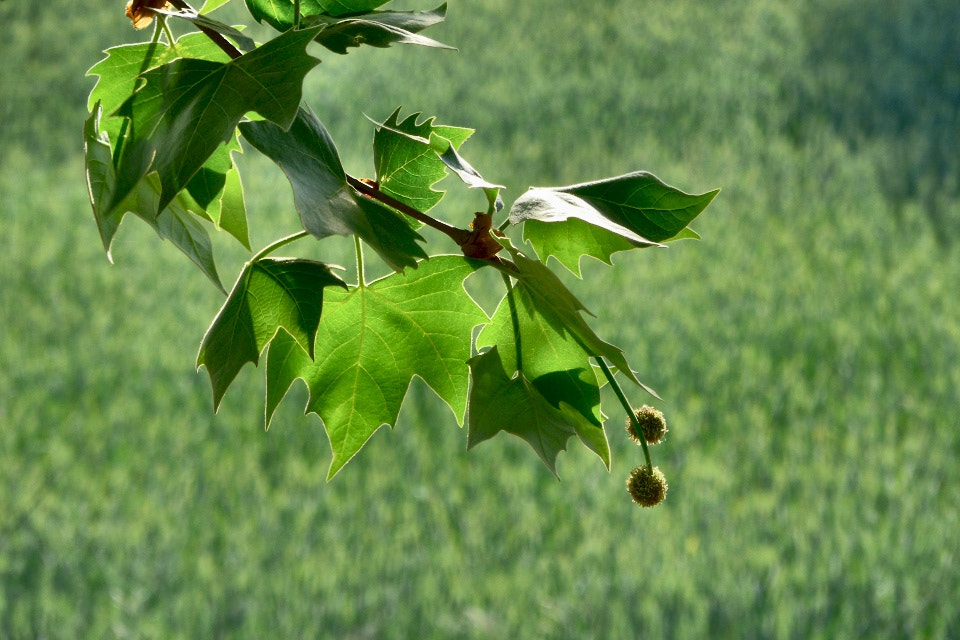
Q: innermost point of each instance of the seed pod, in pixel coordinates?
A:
(647, 487)
(652, 424)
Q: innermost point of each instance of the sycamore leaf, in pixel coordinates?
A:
(370, 343)
(211, 5)
(270, 294)
(326, 203)
(216, 192)
(551, 359)
(406, 163)
(209, 188)
(470, 177)
(201, 21)
(174, 222)
(515, 405)
(279, 14)
(379, 29)
(118, 73)
(228, 211)
(100, 177)
(603, 217)
(188, 108)
(561, 310)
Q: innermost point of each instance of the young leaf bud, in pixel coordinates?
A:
(652, 424)
(647, 486)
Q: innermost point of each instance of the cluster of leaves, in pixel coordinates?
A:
(166, 118)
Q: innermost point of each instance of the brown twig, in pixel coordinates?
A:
(458, 235)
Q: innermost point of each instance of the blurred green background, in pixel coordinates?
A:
(806, 349)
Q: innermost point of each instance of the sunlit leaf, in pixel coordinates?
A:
(407, 166)
(174, 222)
(270, 294)
(188, 108)
(379, 29)
(326, 203)
(633, 210)
(370, 343)
(551, 359)
(515, 405)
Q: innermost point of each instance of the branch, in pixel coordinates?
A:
(458, 235)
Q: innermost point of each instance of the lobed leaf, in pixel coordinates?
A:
(270, 294)
(407, 165)
(379, 29)
(118, 74)
(202, 21)
(603, 217)
(516, 405)
(279, 14)
(370, 343)
(351, 23)
(174, 222)
(189, 107)
(326, 203)
(551, 359)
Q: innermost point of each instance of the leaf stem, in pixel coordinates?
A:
(626, 407)
(296, 14)
(361, 281)
(515, 319)
(273, 246)
(162, 22)
(454, 233)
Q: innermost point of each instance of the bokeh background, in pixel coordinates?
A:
(806, 349)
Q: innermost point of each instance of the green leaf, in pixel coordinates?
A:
(101, 177)
(174, 222)
(379, 29)
(211, 5)
(326, 203)
(603, 217)
(229, 210)
(372, 341)
(279, 13)
(118, 73)
(201, 21)
(574, 238)
(561, 310)
(551, 359)
(189, 107)
(470, 176)
(270, 294)
(406, 163)
(515, 405)
(117, 79)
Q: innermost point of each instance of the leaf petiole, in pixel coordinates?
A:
(162, 23)
(626, 406)
(361, 281)
(515, 319)
(282, 242)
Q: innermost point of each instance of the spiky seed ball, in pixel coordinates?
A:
(647, 487)
(652, 424)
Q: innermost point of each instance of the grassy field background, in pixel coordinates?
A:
(806, 350)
